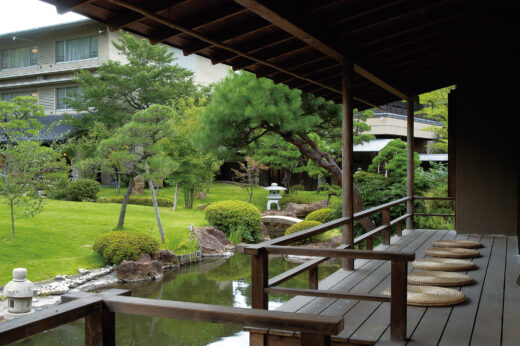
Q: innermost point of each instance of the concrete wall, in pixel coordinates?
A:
(487, 152)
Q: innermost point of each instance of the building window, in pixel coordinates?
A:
(9, 96)
(77, 49)
(62, 94)
(18, 57)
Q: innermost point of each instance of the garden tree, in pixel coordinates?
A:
(244, 109)
(19, 119)
(393, 159)
(139, 146)
(196, 168)
(436, 108)
(118, 90)
(29, 170)
(249, 174)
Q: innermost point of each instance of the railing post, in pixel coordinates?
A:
(370, 243)
(400, 229)
(259, 279)
(100, 328)
(410, 165)
(385, 235)
(313, 278)
(308, 339)
(399, 278)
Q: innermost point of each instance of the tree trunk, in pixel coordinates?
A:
(176, 198)
(122, 213)
(192, 197)
(12, 219)
(118, 183)
(154, 201)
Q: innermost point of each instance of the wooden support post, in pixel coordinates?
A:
(313, 278)
(370, 243)
(257, 339)
(259, 279)
(347, 180)
(308, 339)
(410, 163)
(399, 282)
(100, 328)
(385, 235)
(400, 229)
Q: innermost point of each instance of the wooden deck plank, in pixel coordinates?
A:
(377, 323)
(488, 324)
(511, 317)
(378, 281)
(460, 323)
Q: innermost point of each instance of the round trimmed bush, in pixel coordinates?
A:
(321, 215)
(229, 216)
(83, 190)
(303, 225)
(292, 199)
(118, 246)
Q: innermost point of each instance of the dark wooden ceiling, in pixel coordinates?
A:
(400, 48)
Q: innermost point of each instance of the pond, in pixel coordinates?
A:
(212, 281)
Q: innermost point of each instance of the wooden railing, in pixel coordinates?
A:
(99, 313)
(262, 285)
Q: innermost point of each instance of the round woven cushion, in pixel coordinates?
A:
(438, 278)
(431, 296)
(452, 252)
(457, 243)
(446, 264)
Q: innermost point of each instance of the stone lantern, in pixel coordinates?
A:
(274, 195)
(19, 294)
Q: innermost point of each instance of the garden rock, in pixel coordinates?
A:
(299, 211)
(138, 187)
(212, 241)
(167, 259)
(144, 269)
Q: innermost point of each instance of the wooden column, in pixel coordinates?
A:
(259, 279)
(410, 163)
(398, 288)
(385, 234)
(313, 278)
(308, 339)
(100, 328)
(347, 180)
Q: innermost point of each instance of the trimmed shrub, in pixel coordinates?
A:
(303, 225)
(231, 216)
(321, 215)
(83, 190)
(118, 246)
(138, 200)
(292, 199)
(295, 188)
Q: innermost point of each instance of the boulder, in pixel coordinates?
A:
(143, 269)
(167, 258)
(302, 210)
(212, 241)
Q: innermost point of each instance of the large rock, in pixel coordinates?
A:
(212, 241)
(299, 211)
(143, 269)
(167, 258)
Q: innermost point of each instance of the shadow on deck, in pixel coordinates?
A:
(489, 316)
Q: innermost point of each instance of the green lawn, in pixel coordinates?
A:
(59, 240)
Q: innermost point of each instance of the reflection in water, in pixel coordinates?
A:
(217, 281)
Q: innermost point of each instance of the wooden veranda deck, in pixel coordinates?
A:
(490, 315)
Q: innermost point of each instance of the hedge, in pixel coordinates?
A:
(139, 200)
(118, 246)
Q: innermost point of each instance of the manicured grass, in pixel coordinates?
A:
(59, 240)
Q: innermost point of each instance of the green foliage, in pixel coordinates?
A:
(297, 199)
(436, 108)
(393, 160)
(241, 234)
(303, 225)
(321, 215)
(83, 190)
(295, 188)
(118, 246)
(138, 200)
(230, 216)
(19, 119)
(180, 244)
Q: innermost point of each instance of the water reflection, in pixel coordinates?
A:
(219, 281)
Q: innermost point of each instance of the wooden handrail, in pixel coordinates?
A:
(340, 253)
(434, 198)
(328, 294)
(367, 212)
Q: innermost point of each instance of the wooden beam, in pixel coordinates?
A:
(128, 17)
(283, 23)
(64, 6)
(328, 294)
(410, 171)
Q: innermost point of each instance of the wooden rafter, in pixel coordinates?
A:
(273, 17)
(64, 6)
(129, 17)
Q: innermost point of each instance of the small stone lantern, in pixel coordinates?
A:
(274, 195)
(19, 294)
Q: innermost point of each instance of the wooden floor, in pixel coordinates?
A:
(490, 316)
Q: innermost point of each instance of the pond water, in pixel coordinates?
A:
(212, 281)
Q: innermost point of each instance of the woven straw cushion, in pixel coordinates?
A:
(452, 252)
(438, 278)
(446, 264)
(432, 296)
(457, 243)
